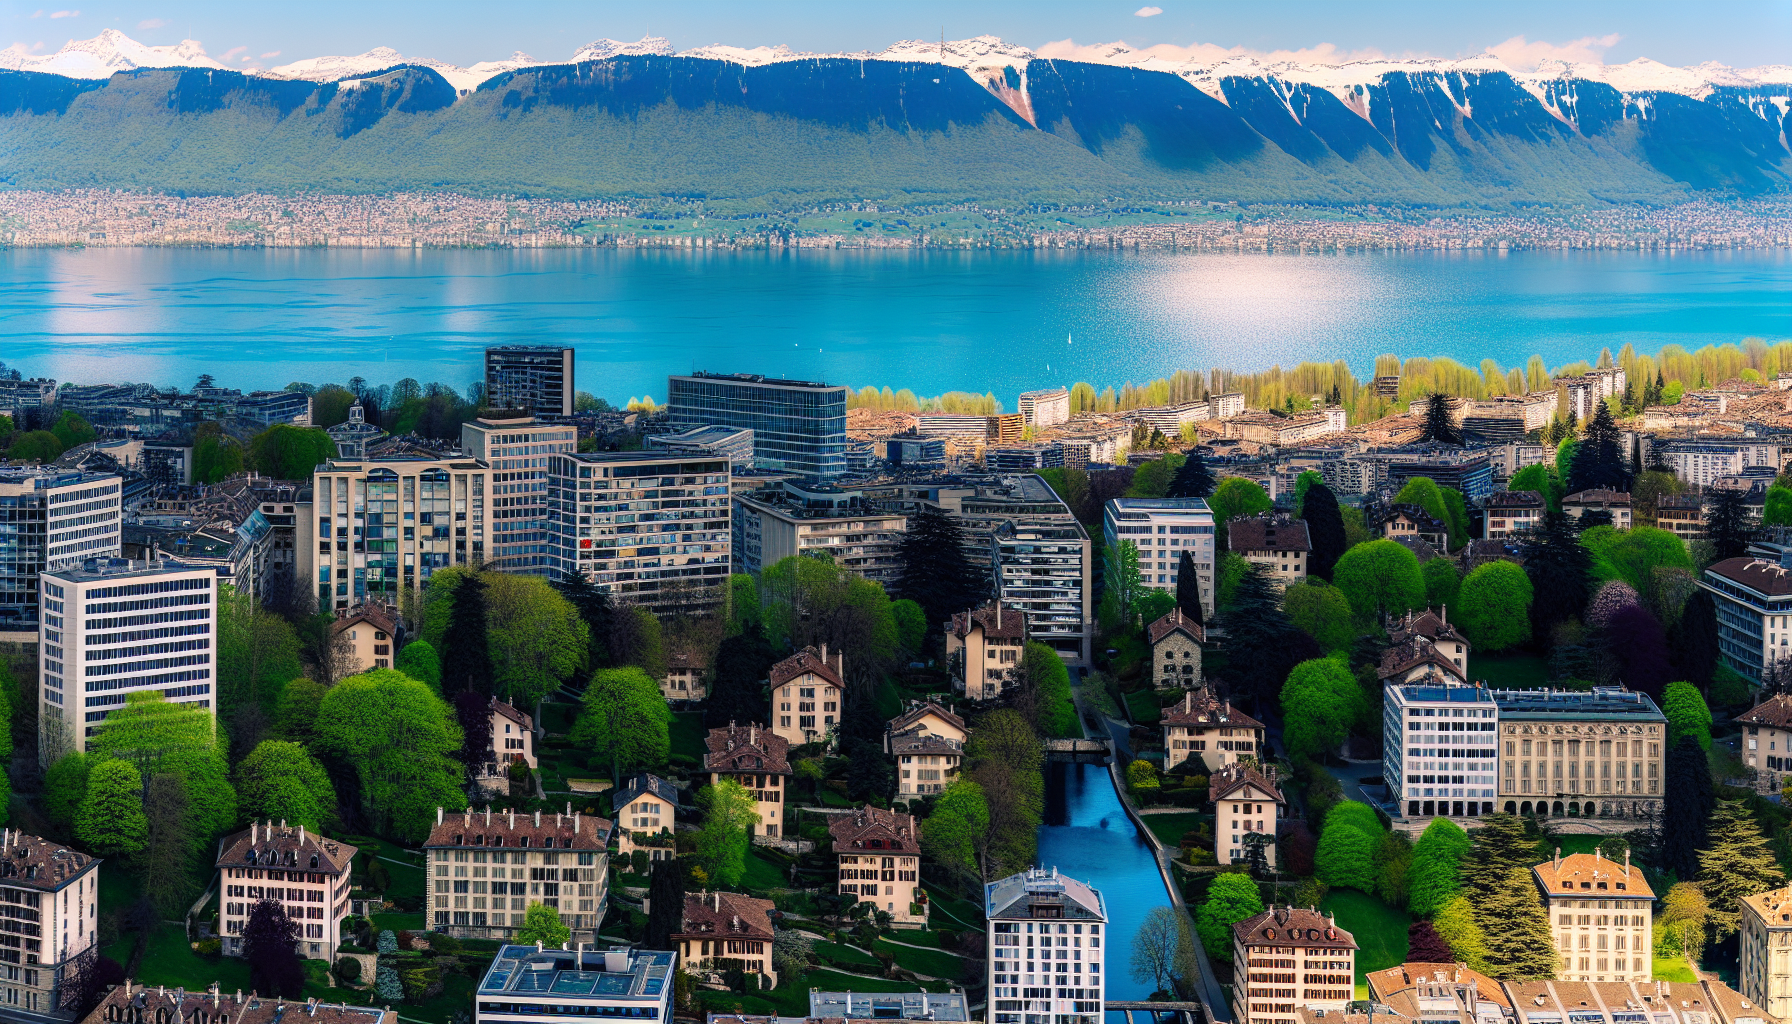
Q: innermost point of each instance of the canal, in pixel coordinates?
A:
(1088, 836)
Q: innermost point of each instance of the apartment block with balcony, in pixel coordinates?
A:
(304, 872)
(1162, 529)
(1754, 611)
(486, 867)
(1047, 935)
(535, 378)
(516, 450)
(377, 527)
(791, 518)
(1292, 957)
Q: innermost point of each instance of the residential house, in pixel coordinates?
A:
(927, 742)
(1406, 520)
(1293, 956)
(1683, 515)
(1422, 550)
(1031, 916)
(560, 860)
(586, 983)
(1176, 651)
(983, 645)
(1435, 627)
(1421, 991)
(52, 937)
(513, 736)
(809, 689)
(313, 877)
(370, 632)
(1420, 659)
(1245, 802)
(1765, 948)
(645, 809)
(1512, 512)
(759, 760)
(724, 931)
(1211, 730)
(1666, 1002)
(1767, 743)
(879, 855)
(1599, 500)
(1599, 916)
(1280, 544)
(685, 679)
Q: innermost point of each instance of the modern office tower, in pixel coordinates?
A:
(774, 523)
(112, 627)
(267, 408)
(1163, 528)
(1440, 746)
(516, 451)
(797, 425)
(49, 519)
(535, 378)
(651, 528)
(1044, 408)
(376, 525)
(1032, 916)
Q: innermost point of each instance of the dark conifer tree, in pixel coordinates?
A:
(1560, 572)
(1194, 479)
(1425, 946)
(1262, 644)
(1501, 845)
(1438, 426)
(1599, 458)
(1516, 926)
(594, 607)
(665, 908)
(466, 659)
(271, 946)
(738, 693)
(1694, 641)
(1728, 524)
(1188, 588)
(933, 571)
(1686, 812)
(473, 710)
(1325, 530)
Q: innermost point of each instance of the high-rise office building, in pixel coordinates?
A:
(1162, 528)
(375, 525)
(112, 627)
(517, 451)
(49, 519)
(797, 425)
(651, 528)
(534, 378)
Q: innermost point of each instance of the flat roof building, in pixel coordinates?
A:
(922, 1006)
(516, 451)
(778, 522)
(732, 443)
(799, 425)
(1026, 913)
(1754, 611)
(54, 519)
(528, 984)
(1580, 754)
(378, 525)
(535, 378)
(1163, 528)
(1439, 749)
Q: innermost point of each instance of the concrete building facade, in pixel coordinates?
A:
(312, 876)
(486, 867)
(809, 689)
(379, 526)
(796, 425)
(51, 938)
(535, 378)
(51, 519)
(516, 451)
(1032, 916)
(1162, 529)
(1599, 916)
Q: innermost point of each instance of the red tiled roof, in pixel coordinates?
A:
(512, 828)
(374, 615)
(1293, 926)
(1231, 778)
(1775, 711)
(811, 660)
(33, 863)
(873, 828)
(993, 619)
(746, 748)
(901, 722)
(1201, 707)
(1756, 574)
(1513, 499)
(1415, 651)
(709, 914)
(498, 707)
(285, 846)
(1174, 621)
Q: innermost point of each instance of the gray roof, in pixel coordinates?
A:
(640, 785)
(934, 1006)
(1603, 702)
(1012, 896)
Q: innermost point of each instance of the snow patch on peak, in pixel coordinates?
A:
(751, 57)
(977, 52)
(330, 69)
(106, 54)
(602, 49)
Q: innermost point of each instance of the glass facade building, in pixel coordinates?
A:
(517, 452)
(535, 378)
(50, 519)
(383, 524)
(797, 425)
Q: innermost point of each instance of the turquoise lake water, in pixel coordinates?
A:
(930, 321)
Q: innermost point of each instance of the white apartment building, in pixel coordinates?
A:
(1163, 528)
(651, 528)
(1044, 408)
(376, 525)
(1584, 393)
(312, 876)
(1599, 917)
(486, 867)
(1765, 967)
(1754, 611)
(52, 935)
(516, 451)
(112, 627)
(1220, 406)
(53, 519)
(1046, 949)
(1700, 463)
(1440, 749)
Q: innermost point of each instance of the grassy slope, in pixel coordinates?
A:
(1380, 930)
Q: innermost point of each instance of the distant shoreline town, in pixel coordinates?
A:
(105, 218)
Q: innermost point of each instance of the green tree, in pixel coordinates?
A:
(1455, 922)
(1541, 478)
(542, 927)
(1432, 881)
(1687, 714)
(1599, 459)
(281, 781)
(1499, 847)
(72, 430)
(258, 651)
(537, 640)
(1233, 498)
(65, 787)
(397, 737)
(1494, 606)
(956, 833)
(216, 456)
(1007, 760)
(1122, 585)
(1687, 805)
(1046, 688)
(1560, 570)
(1685, 918)
(286, 452)
(933, 569)
(1633, 555)
(1442, 582)
(911, 626)
(456, 624)
(1728, 523)
(1393, 866)
(1440, 426)
(729, 815)
(1346, 857)
(637, 638)
(1160, 946)
(1154, 478)
(34, 446)
(1778, 510)
(1193, 478)
(1380, 578)
(111, 819)
(1232, 898)
(149, 729)
(1320, 702)
(295, 714)
(625, 719)
(418, 660)
(1515, 927)
(1188, 588)
(743, 603)
(1321, 611)
(164, 864)
(1737, 864)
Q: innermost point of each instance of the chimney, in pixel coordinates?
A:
(1627, 862)
(255, 828)
(301, 835)
(1557, 862)
(488, 815)
(537, 819)
(512, 813)
(438, 815)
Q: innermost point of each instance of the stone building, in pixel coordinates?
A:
(1291, 957)
(486, 867)
(1580, 754)
(879, 860)
(1764, 972)
(1598, 916)
(1176, 651)
(759, 760)
(1767, 740)
(305, 872)
(48, 942)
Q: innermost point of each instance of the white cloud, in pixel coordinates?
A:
(1324, 53)
(1525, 55)
(38, 14)
(148, 23)
(270, 53)
(65, 14)
(235, 53)
(1148, 12)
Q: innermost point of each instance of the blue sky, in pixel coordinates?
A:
(1736, 32)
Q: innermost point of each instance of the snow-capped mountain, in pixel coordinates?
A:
(603, 49)
(106, 54)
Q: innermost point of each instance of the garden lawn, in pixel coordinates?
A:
(397, 922)
(558, 717)
(687, 738)
(762, 874)
(840, 954)
(407, 874)
(938, 963)
(170, 960)
(1509, 671)
(954, 913)
(1168, 828)
(1144, 707)
(1673, 968)
(1380, 930)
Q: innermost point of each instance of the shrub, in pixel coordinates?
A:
(388, 941)
(348, 969)
(209, 947)
(387, 985)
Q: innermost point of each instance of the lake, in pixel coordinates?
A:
(1002, 321)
